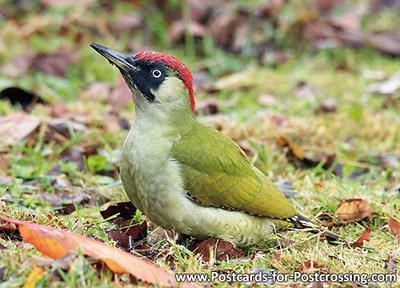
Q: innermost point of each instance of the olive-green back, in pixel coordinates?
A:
(217, 173)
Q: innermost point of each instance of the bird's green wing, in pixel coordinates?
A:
(217, 173)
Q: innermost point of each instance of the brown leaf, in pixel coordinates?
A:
(126, 210)
(296, 155)
(296, 150)
(224, 250)
(134, 230)
(366, 236)
(350, 21)
(314, 265)
(56, 243)
(120, 237)
(8, 228)
(385, 42)
(394, 226)
(55, 64)
(352, 210)
(16, 126)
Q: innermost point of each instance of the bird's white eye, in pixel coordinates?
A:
(156, 73)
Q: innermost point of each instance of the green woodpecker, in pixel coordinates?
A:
(184, 175)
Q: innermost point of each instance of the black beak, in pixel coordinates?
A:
(114, 57)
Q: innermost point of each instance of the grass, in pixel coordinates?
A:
(360, 129)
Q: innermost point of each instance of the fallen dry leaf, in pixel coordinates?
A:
(352, 210)
(16, 126)
(296, 155)
(56, 243)
(126, 210)
(8, 228)
(394, 226)
(135, 230)
(312, 265)
(366, 236)
(120, 237)
(296, 150)
(224, 250)
(385, 42)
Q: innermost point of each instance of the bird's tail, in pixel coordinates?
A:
(301, 221)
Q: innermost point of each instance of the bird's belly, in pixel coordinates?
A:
(155, 185)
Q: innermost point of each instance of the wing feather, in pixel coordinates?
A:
(217, 173)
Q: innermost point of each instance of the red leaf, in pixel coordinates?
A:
(56, 243)
(224, 251)
(365, 236)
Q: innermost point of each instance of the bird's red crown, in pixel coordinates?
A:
(172, 63)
